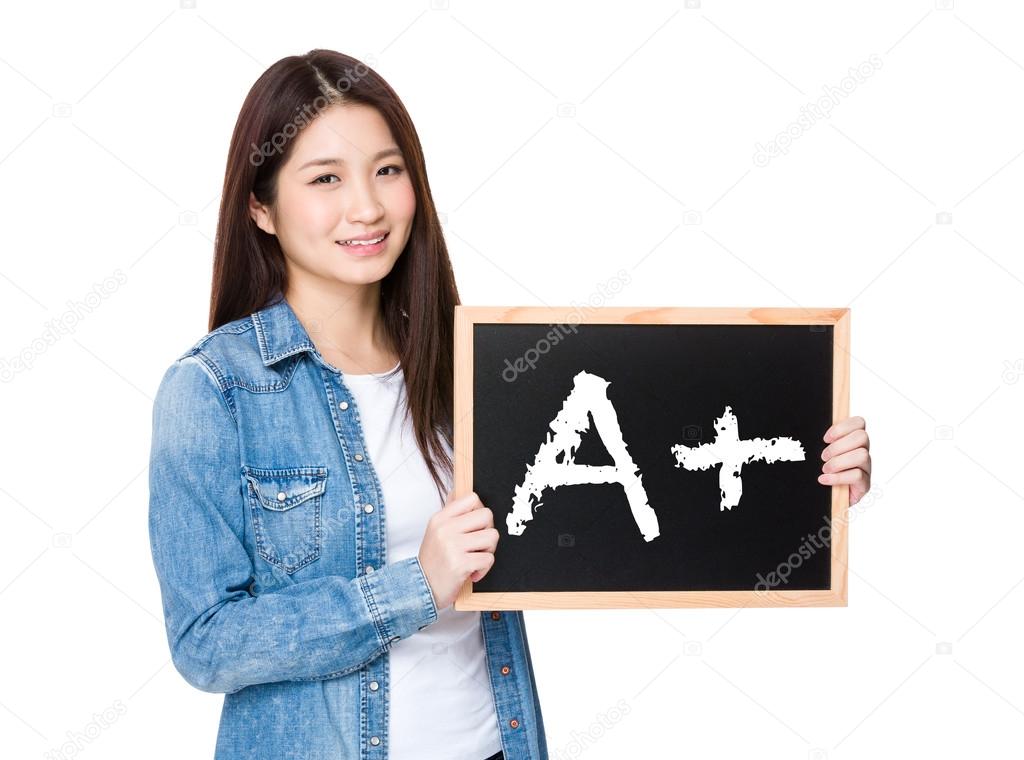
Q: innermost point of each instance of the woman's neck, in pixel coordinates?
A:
(346, 327)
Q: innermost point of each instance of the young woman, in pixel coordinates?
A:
(307, 554)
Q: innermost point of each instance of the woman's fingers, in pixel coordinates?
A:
(486, 561)
(858, 480)
(463, 505)
(858, 439)
(847, 477)
(841, 428)
(475, 519)
(848, 461)
(485, 540)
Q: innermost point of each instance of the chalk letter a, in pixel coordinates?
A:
(554, 466)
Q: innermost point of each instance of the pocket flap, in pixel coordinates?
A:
(284, 488)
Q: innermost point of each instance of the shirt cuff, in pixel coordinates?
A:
(399, 599)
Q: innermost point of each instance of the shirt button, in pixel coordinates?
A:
(358, 457)
(374, 686)
(374, 740)
(369, 568)
(281, 496)
(368, 508)
(514, 723)
(343, 405)
(495, 616)
(504, 670)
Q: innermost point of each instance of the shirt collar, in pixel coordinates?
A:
(279, 332)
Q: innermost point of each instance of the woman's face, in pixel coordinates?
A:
(345, 179)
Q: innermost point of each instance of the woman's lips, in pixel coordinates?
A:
(357, 249)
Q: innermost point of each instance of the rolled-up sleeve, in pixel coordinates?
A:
(221, 637)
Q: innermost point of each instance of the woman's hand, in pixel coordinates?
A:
(459, 543)
(846, 457)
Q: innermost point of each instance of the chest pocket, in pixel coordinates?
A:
(285, 505)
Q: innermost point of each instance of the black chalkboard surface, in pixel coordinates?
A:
(661, 457)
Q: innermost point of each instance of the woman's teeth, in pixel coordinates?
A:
(363, 242)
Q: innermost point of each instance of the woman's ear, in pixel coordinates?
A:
(260, 214)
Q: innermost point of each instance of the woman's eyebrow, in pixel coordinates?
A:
(337, 161)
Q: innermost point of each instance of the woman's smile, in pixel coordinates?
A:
(364, 247)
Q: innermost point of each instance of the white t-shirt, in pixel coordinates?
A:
(441, 706)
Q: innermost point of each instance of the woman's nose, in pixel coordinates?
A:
(363, 203)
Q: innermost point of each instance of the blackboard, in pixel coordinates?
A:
(703, 428)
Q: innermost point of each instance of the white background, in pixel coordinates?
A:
(563, 144)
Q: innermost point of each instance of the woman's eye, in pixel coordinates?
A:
(319, 180)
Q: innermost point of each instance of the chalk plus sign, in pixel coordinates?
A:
(732, 453)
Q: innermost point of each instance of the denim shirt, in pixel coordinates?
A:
(267, 528)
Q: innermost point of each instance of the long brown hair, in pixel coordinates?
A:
(418, 296)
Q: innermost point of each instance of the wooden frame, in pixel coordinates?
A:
(465, 319)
